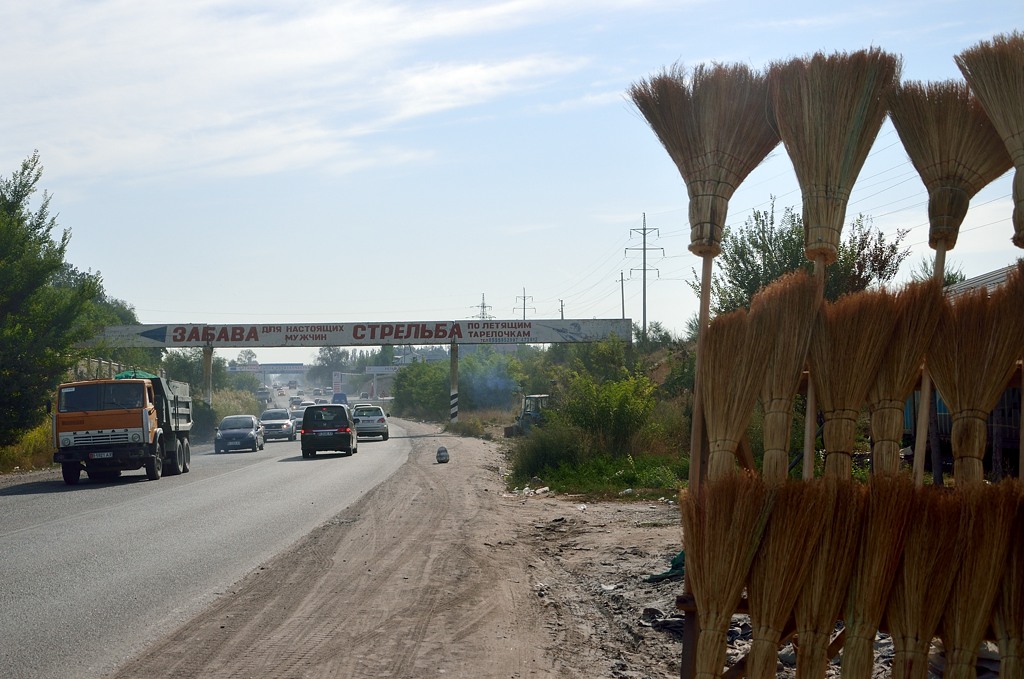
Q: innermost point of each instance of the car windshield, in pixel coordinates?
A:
(236, 423)
(369, 411)
(101, 396)
(274, 415)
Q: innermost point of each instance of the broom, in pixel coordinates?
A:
(847, 346)
(957, 151)
(972, 357)
(995, 71)
(828, 110)
(890, 504)
(723, 522)
(1008, 614)
(932, 553)
(790, 305)
(821, 600)
(780, 568)
(732, 370)
(992, 511)
(716, 129)
(917, 309)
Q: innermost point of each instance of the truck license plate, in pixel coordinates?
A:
(100, 456)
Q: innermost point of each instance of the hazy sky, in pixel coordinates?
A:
(273, 162)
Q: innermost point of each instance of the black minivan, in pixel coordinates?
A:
(328, 426)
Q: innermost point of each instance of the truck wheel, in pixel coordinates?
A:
(72, 472)
(154, 463)
(173, 467)
(188, 458)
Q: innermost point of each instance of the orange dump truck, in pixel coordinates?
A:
(112, 425)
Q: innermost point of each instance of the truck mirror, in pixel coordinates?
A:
(49, 406)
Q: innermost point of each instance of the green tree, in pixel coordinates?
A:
(40, 320)
(106, 311)
(925, 271)
(422, 390)
(328, 361)
(764, 248)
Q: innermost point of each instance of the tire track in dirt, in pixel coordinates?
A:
(413, 580)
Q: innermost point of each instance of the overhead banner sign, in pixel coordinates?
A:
(366, 334)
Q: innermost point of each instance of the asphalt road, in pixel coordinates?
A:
(90, 574)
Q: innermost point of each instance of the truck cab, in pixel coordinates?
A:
(107, 426)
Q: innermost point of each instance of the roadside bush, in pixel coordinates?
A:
(33, 451)
(611, 413)
(544, 450)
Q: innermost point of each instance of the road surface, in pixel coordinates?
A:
(91, 574)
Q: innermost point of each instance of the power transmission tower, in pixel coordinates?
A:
(525, 300)
(643, 232)
(484, 308)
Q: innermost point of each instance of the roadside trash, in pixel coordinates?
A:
(442, 454)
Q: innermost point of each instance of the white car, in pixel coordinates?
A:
(277, 424)
(370, 420)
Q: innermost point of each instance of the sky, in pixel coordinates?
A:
(231, 162)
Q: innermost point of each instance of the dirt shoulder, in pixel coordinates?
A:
(440, 572)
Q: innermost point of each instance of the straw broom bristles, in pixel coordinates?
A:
(954, 147)
(972, 358)
(992, 511)
(716, 127)
(931, 555)
(723, 522)
(1008, 613)
(917, 309)
(829, 110)
(995, 71)
(821, 599)
(780, 568)
(847, 345)
(731, 371)
(790, 305)
(887, 515)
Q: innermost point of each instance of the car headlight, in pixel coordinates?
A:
(217, 436)
(251, 435)
(136, 438)
(65, 441)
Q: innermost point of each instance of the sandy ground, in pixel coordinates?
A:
(442, 572)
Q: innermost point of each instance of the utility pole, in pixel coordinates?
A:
(643, 232)
(525, 300)
(484, 308)
(622, 290)
(561, 308)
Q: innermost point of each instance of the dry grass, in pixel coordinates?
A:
(723, 522)
(780, 568)
(931, 557)
(789, 306)
(847, 346)
(887, 515)
(991, 514)
(917, 308)
(716, 126)
(972, 358)
(995, 71)
(820, 602)
(954, 147)
(731, 372)
(1008, 614)
(829, 109)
